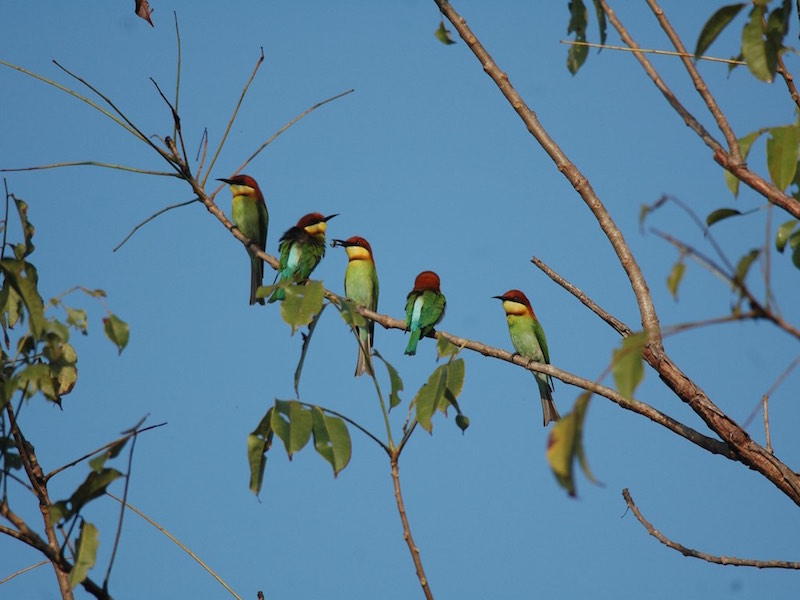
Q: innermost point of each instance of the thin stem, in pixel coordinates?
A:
(90, 163)
(178, 74)
(412, 547)
(728, 61)
(153, 216)
(180, 544)
(21, 571)
(720, 560)
(232, 119)
(121, 511)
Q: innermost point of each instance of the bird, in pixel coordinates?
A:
(301, 248)
(251, 217)
(425, 306)
(361, 286)
(529, 341)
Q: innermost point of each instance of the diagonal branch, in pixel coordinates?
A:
(581, 184)
(720, 560)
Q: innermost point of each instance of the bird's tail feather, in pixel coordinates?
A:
(411, 349)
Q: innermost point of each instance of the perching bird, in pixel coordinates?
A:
(528, 338)
(425, 306)
(361, 286)
(251, 218)
(301, 248)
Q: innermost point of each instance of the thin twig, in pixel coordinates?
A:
(180, 544)
(412, 547)
(765, 400)
(729, 61)
(153, 216)
(25, 570)
(178, 74)
(176, 120)
(231, 120)
(118, 535)
(720, 560)
(362, 429)
(772, 389)
(90, 163)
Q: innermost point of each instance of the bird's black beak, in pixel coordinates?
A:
(335, 243)
(228, 181)
(328, 218)
(498, 297)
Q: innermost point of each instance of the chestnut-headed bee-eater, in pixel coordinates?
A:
(301, 248)
(425, 306)
(361, 286)
(528, 339)
(251, 218)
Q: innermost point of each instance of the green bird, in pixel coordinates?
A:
(425, 306)
(361, 286)
(301, 248)
(251, 218)
(528, 339)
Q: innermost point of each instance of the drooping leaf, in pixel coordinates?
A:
(782, 154)
(783, 234)
(22, 277)
(26, 248)
(715, 25)
(565, 445)
(306, 341)
(578, 17)
(743, 266)
(92, 487)
(627, 364)
(601, 21)
(445, 348)
(794, 244)
(76, 318)
(395, 381)
(113, 451)
(443, 34)
(331, 439)
(117, 330)
(721, 214)
(429, 396)
(85, 553)
(350, 314)
(455, 382)
(302, 302)
(745, 144)
(291, 421)
(760, 59)
(258, 443)
(675, 277)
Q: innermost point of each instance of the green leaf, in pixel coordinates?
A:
(112, 451)
(429, 396)
(578, 17)
(715, 25)
(331, 439)
(350, 314)
(675, 276)
(306, 341)
(721, 214)
(565, 444)
(783, 234)
(23, 250)
(93, 487)
(782, 154)
(23, 279)
(745, 144)
(292, 423)
(601, 21)
(761, 60)
(796, 256)
(85, 553)
(302, 302)
(627, 364)
(395, 381)
(443, 35)
(258, 443)
(76, 318)
(455, 382)
(743, 266)
(117, 330)
(445, 348)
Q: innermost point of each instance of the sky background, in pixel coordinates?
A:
(429, 163)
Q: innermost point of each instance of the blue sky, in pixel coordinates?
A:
(428, 162)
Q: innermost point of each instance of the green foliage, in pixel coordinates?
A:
(440, 391)
(745, 144)
(675, 277)
(627, 364)
(743, 266)
(721, 214)
(443, 34)
(93, 487)
(331, 439)
(117, 330)
(394, 380)
(303, 301)
(782, 155)
(715, 25)
(85, 553)
(258, 443)
(578, 20)
(565, 444)
(292, 424)
(784, 231)
(758, 52)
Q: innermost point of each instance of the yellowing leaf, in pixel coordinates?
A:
(443, 35)
(302, 302)
(85, 553)
(117, 330)
(565, 445)
(627, 364)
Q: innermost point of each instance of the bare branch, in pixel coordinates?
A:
(21, 571)
(728, 61)
(91, 163)
(153, 216)
(720, 560)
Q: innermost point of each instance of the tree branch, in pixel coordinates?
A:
(720, 560)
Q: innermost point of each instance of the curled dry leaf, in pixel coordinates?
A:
(144, 11)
